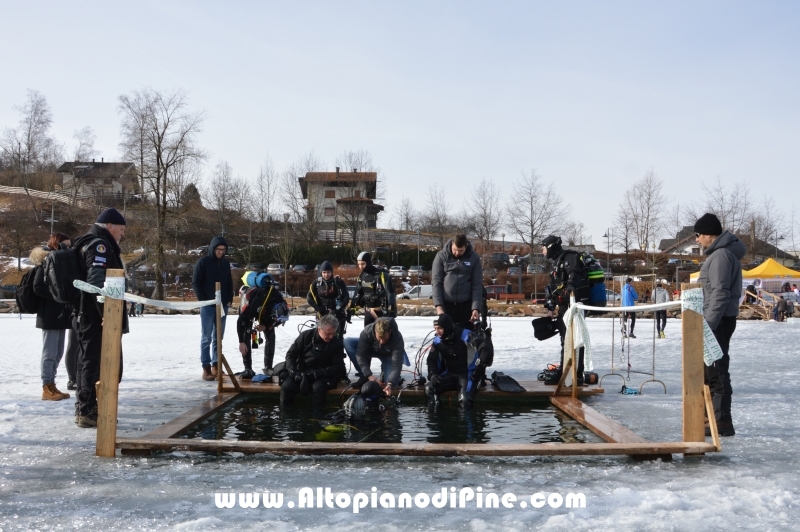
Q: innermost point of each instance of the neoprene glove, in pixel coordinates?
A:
(435, 380)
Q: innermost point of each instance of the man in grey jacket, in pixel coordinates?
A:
(380, 339)
(457, 282)
(721, 277)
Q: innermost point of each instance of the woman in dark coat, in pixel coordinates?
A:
(52, 318)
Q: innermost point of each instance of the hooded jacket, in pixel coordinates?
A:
(457, 279)
(661, 295)
(50, 315)
(721, 277)
(629, 295)
(210, 270)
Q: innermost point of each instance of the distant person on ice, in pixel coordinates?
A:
(209, 270)
(721, 277)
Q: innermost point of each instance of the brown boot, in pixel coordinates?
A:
(207, 376)
(51, 393)
(214, 370)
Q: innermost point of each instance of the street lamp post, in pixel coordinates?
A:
(419, 273)
(504, 242)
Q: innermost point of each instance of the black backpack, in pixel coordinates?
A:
(27, 300)
(61, 267)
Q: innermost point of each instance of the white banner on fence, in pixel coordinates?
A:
(692, 299)
(116, 290)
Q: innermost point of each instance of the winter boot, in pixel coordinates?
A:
(207, 375)
(71, 385)
(89, 420)
(51, 393)
(214, 370)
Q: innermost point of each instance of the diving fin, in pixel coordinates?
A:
(504, 383)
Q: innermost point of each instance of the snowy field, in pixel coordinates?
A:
(51, 480)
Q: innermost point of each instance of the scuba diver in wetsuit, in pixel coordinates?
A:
(374, 292)
(328, 295)
(457, 361)
(265, 306)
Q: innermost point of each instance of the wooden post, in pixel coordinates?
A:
(108, 386)
(217, 288)
(693, 373)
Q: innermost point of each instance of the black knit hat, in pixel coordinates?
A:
(110, 216)
(326, 267)
(708, 224)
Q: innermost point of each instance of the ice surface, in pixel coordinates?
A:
(50, 478)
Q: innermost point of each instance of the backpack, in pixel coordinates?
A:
(61, 267)
(27, 300)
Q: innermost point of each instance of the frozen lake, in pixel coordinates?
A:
(50, 478)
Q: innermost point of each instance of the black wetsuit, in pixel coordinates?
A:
(375, 291)
(253, 308)
(330, 296)
(315, 365)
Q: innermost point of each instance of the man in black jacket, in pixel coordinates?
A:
(209, 270)
(315, 363)
(568, 277)
(457, 282)
(99, 251)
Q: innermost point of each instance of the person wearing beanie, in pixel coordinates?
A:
(449, 364)
(328, 295)
(374, 291)
(721, 278)
(457, 282)
(99, 251)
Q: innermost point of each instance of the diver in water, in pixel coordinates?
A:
(457, 361)
(261, 309)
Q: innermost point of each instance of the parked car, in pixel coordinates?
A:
(494, 290)
(275, 269)
(202, 250)
(535, 268)
(640, 262)
(302, 268)
(498, 259)
(612, 296)
(618, 263)
(398, 271)
(423, 291)
(236, 266)
(514, 270)
(255, 266)
(415, 271)
(187, 267)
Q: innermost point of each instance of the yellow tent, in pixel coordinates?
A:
(769, 269)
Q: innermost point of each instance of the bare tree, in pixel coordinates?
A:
(768, 223)
(306, 221)
(84, 150)
(29, 148)
(265, 192)
(437, 216)
(644, 203)
(732, 206)
(484, 206)
(623, 230)
(573, 233)
(676, 219)
(535, 209)
(404, 217)
(220, 195)
(161, 124)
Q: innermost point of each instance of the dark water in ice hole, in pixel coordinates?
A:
(260, 418)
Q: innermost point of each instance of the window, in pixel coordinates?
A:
(330, 211)
(358, 193)
(330, 194)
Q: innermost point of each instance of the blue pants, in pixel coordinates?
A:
(208, 333)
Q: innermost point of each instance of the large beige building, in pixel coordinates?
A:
(342, 201)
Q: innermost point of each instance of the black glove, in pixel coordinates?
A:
(305, 384)
(297, 376)
(435, 380)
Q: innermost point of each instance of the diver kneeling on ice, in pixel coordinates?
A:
(457, 361)
(314, 364)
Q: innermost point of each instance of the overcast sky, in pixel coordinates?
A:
(591, 95)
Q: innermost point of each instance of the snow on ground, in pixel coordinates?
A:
(50, 478)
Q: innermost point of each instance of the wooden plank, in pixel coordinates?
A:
(608, 429)
(417, 449)
(190, 418)
(712, 419)
(533, 388)
(693, 369)
(108, 386)
(218, 317)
